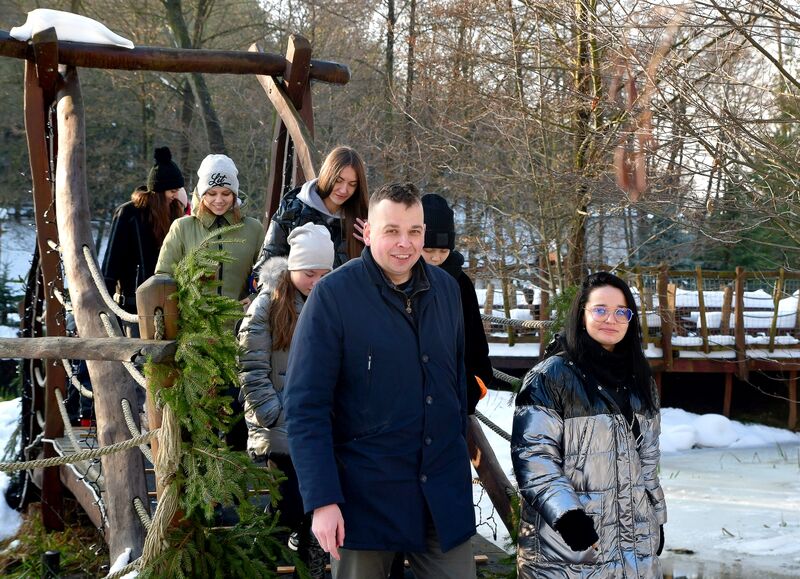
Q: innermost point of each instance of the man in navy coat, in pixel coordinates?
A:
(375, 401)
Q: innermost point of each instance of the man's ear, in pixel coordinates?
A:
(366, 235)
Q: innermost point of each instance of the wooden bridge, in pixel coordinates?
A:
(730, 323)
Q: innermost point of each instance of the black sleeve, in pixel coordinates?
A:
(476, 351)
(117, 260)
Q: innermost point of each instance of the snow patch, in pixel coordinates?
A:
(69, 27)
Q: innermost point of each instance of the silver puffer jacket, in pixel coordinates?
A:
(571, 452)
(262, 370)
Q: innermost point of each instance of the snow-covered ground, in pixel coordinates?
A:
(10, 520)
(735, 504)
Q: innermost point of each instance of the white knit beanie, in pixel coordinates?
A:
(218, 171)
(310, 247)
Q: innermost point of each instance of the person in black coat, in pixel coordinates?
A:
(138, 230)
(440, 251)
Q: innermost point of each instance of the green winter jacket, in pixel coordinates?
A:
(188, 232)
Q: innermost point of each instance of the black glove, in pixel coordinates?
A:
(577, 530)
(660, 540)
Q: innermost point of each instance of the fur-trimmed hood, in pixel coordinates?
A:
(271, 271)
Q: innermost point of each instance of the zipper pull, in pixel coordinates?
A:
(408, 305)
(369, 362)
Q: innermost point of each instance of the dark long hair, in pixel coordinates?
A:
(159, 213)
(282, 314)
(356, 206)
(577, 340)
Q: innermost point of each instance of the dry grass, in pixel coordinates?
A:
(83, 551)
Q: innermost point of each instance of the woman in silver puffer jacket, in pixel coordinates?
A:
(585, 447)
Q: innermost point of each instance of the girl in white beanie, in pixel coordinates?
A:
(264, 337)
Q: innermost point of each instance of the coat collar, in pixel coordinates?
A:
(207, 218)
(419, 276)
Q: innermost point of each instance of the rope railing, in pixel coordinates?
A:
(65, 419)
(492, 426)
(78, 456)
(508, 378)
(100, 284)
(114, 332)
(529, 324)
(138, 505)
(82, 390)
(134, 430)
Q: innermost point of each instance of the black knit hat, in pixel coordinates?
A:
(440, 232)
(165, 174)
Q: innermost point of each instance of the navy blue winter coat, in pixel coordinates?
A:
(375, 403)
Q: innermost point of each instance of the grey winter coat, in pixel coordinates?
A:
(571, 451)
(262, 370)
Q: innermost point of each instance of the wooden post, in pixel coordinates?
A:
(123, 472)
(643, 307)
(726, 403)
(776, 298)
(666, 316)
(544, 315)
(275, 184)
(701, 302)
(154, 299)
(298, 88)
(488, 306)
(490, 472)
(39, 90)
(792, 385)
(727, 300)
(738, 328)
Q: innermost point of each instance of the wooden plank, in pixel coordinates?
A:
(124, 471)
(37, 105)
(109, 349)
(85, 55)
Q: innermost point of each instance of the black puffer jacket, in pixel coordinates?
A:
(476, 349)
(576, 451)
(300, 206)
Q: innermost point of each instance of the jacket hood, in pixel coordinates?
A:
(453, 264)
(271, 271)
(310, 196)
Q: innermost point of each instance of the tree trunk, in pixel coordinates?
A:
(123, 472)
(216, 140)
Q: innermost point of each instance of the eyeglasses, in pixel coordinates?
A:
(602, 313)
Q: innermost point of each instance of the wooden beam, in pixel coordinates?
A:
(726, 402)
(275, 182)
(298, 66)
(109, 349)
(82, 493)
(84, 55)
(303, 141)
(123, 472)
(492, 476)
(37, 106)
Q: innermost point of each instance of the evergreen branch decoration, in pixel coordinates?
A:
(211, 477)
